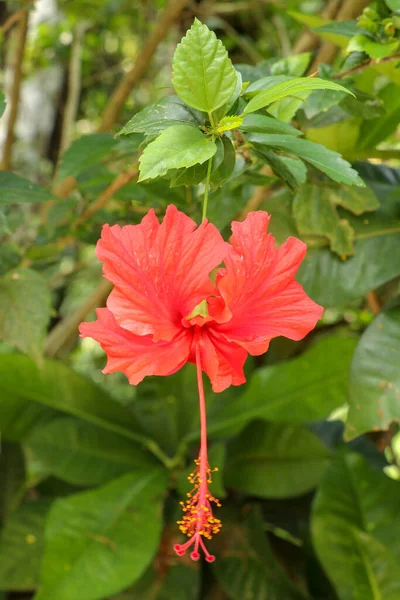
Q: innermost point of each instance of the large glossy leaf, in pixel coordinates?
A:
(245, 566)
(304, 389)
(21, 547)
(176, 147)
(263, 124)
(290, 88)
(203, 75)
(385, 182)
(355, 524)
(164, 113)
(97, 543)
(327, 161)
(18, 416)
(85, 152)
(84, 454)
(274, 460)
(59, 387)
(331, 281)
(25, 304)
(375, 376)
(17, 190)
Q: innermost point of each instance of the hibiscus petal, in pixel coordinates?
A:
(259, 288)
(222, 360)
(160, 272)
(136, 356)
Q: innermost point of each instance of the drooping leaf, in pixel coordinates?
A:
(111, 536)
(325, 160)
(21, 547)
(377, 130)
(255, 123)
(83, 454)
(292, 170)
(227, 165)
(290, 88)
(203, 75)
(85, 152)
(163, 114)
(272, 460)
(375, 376)
(25, 304)
(355, 521)
(357, 200)
(331, 281)
(176, 147)
(246, 566)
(17, 190)
(57, 386)
(305, 389)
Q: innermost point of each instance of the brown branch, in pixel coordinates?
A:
(66, 330)
(120, 181)
(121, 93)
(373, 303)
(364, 65)
(124, 88)
(15, 90)
(310, 40)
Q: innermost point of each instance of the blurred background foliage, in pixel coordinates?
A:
(92, 469)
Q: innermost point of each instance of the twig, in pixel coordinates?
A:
(124, 88)
(15, 91)
(121, 93)
(120, 181)
(373, 303)
(67, 328)
(364, 65)
(74, 86)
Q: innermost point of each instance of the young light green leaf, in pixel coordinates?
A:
(17, 190)
(25, 304)
(166, 112)
(111, 536)
(322, 158)
(229, 122)
(203, 75)
(290, 88)
(176, 147)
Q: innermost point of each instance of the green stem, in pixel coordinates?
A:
(205, 199)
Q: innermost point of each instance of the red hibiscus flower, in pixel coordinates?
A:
(165, 311)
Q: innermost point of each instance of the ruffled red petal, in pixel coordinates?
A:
(259, 288)
(136, 356)
(160, 272)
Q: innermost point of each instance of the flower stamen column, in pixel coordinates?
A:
(198, 520)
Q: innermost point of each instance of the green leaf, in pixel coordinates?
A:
(203, 75)
(196, 174)
(255, 123)
(163, 114)
(21, 547)
(304, 389)
(176, 147)
(393, 4)
(229, 122)
(325, 160)
(3, 103)
(227, 165)
(111, 537)
(272, 460)
(17, 190)
(18, 416)
(25, 304)
(377, 130)
(375, 49)
(291, 170)
(344, 28)
(357, 200)
(84, 153)
(355, 524)
(290, 88)
(375, 376)
(84, 454)
(12, 477)
(59, 387)
(246, 567)
(331, 281)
